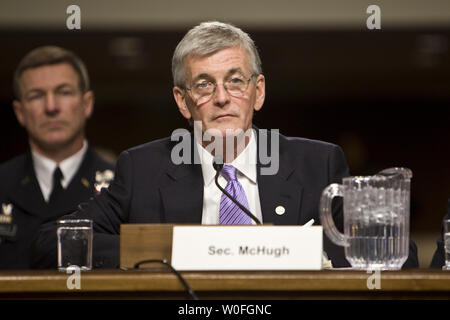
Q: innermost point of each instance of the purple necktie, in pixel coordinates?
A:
(230, 213)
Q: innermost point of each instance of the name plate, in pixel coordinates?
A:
(247, 248)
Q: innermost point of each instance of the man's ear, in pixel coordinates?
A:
(179, 94)
(260, 92)
(18, 110)
(88, 103)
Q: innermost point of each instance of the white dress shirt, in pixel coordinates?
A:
(245, 164)
(44, 168)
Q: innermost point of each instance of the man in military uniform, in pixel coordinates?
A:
(60, 170)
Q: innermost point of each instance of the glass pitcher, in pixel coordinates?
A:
(376, 218)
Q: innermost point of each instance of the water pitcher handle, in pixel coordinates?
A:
(326, 216)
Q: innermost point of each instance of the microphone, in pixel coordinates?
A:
(218, 165)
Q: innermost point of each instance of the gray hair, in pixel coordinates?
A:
(210, 37)
(51, 55)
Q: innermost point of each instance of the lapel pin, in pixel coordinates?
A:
(280, 210)
(85, 182)
(25, 180)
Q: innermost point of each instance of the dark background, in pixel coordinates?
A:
(382, 95)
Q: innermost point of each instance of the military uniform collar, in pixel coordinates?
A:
(44, 168)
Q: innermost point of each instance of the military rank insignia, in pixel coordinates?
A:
(7, 228)
(103, 179)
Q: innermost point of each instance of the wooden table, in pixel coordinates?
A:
(161, 284)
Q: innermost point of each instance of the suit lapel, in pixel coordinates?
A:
(182, 195)
(280, 194)
(182, 192)
(79, 189)
(27, 194)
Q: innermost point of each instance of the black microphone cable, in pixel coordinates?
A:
(174, 271)
(218, 165)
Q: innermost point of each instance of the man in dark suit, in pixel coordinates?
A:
(438, 260)
(53, 102)
(218, 84)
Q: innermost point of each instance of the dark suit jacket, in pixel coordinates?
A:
(19, 187)
(438, 260)
(149, 188)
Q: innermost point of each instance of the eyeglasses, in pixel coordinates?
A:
(203, 90)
